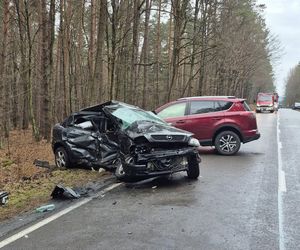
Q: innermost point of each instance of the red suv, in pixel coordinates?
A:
(223, 122)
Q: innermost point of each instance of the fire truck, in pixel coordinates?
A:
(266, 102)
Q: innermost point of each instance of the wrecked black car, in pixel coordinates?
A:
(134, 143)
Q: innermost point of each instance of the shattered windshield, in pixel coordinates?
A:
(129, 115)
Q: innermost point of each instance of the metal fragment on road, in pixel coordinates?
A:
(61, 192)
(3, 197)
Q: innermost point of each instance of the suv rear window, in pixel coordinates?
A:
(200, 107)
(223, 105)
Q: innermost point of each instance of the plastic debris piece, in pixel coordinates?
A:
(45, 208)
(61, 192)
(101, 170)
(26, 236)
(42, 164)
(3, 197)
(154, 187)
(115, 202)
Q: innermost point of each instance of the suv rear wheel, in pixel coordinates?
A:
(227, 143)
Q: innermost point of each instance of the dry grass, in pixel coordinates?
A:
(28, 185)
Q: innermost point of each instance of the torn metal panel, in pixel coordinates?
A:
(3, 197)
(61, 192)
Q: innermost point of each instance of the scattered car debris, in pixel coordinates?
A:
(114, 203)
(43, 164)
(61, 192)
(45, 208)
(3, 198)
(134, 143)
(154, 187)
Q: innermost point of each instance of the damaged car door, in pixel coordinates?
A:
(83, 141)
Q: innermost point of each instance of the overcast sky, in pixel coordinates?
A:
(283, 20)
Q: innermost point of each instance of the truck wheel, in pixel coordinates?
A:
(193, 168)
(227, 143)
(61, 158)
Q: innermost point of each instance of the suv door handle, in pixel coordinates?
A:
(180, 122)
(217, 119)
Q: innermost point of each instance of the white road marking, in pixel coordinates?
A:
(281, 189)
(281, 181)
(54, 217)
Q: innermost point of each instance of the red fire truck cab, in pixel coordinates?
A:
(266, 102)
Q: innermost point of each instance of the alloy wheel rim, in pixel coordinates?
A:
(60, 159)
(121, 170)
(227, 143)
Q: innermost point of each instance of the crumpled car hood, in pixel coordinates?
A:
(157, 132)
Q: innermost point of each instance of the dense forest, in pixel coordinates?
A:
(292, 89)
(58, 56)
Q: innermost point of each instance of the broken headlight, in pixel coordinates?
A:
(142, 149)
(194, 142)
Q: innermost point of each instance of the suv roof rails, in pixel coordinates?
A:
(217, 96)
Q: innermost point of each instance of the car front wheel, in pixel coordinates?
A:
(227, 143)
(193, 168)
(62, 158)
(120, 173)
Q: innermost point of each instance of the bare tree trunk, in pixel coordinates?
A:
(29, 72)
(47, 42)
(179, 10)
(145, 50)
(158, 56)
(195, 37)
(134, 52)
(112, 57)
(91, 58)
(98, 78)
(3, 121)
(23, 68)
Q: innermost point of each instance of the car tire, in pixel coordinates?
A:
(120, 173)
(227, 143)
(193, 168)
(62, 159)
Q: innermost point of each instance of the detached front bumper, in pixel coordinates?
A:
(158, 163)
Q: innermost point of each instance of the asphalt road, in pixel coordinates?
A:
(236, 204)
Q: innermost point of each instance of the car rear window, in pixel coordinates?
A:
(246, 106)
(200, 107)
(223, 105)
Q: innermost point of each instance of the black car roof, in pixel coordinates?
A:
(99, 107)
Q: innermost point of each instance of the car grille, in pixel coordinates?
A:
(168, 164)
(171, 138)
